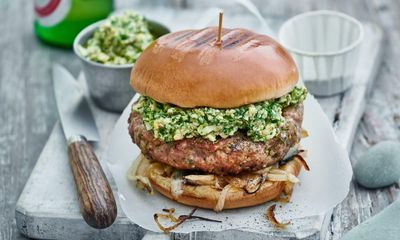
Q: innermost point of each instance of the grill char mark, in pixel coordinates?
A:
(206, 39)
(237, 40)
(183, 36)
(191, 39)
(231, 38)
(202, 37)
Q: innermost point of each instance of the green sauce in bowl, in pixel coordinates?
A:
(119, 40)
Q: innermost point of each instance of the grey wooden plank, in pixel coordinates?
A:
(25, 92)
(26, 111)
(380, 122)
(353, 101)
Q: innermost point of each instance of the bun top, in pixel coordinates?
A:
(189, 69)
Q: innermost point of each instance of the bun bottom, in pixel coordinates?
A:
(207, 196)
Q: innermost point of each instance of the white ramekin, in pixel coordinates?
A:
(325, 47)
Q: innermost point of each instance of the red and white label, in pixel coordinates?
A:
(51, 12)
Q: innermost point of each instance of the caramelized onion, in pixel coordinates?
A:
(248, 182)
(221, 198)
(136, 174)
(264, 170)
(304, 133)
(237, 182)
(271, 217)
(143, 183)
(303, 162)
(220, 183)
(278, 175)
(282, 199)
(288, 189)
(200, 179)
(177, 183)
(177, 220)
(253, 184)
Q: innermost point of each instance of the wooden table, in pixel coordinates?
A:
(28, 111)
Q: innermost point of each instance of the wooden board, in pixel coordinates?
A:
(48, 207)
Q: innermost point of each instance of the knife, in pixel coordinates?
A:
(96, 199)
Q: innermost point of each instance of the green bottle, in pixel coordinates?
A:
(59, 21)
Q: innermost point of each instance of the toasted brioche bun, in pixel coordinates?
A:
(206, 196)
(189, 69)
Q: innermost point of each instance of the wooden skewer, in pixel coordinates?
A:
(219, 41)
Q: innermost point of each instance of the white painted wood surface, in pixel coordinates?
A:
(48, 207)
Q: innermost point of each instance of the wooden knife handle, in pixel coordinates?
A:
(96, 199)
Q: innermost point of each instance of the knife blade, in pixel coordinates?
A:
(97, 202)
(75, 114)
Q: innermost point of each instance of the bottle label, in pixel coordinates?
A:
(51, 12)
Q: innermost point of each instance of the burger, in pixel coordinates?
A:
(214, 122)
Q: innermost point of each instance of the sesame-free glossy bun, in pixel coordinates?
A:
(189, 69)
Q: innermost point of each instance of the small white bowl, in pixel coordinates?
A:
(325, 46)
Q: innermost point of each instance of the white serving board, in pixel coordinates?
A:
(48, 206)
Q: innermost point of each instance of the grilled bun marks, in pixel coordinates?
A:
(189, 70)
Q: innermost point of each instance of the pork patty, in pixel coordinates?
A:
(226, 156)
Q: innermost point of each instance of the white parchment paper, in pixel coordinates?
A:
(322, 188)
